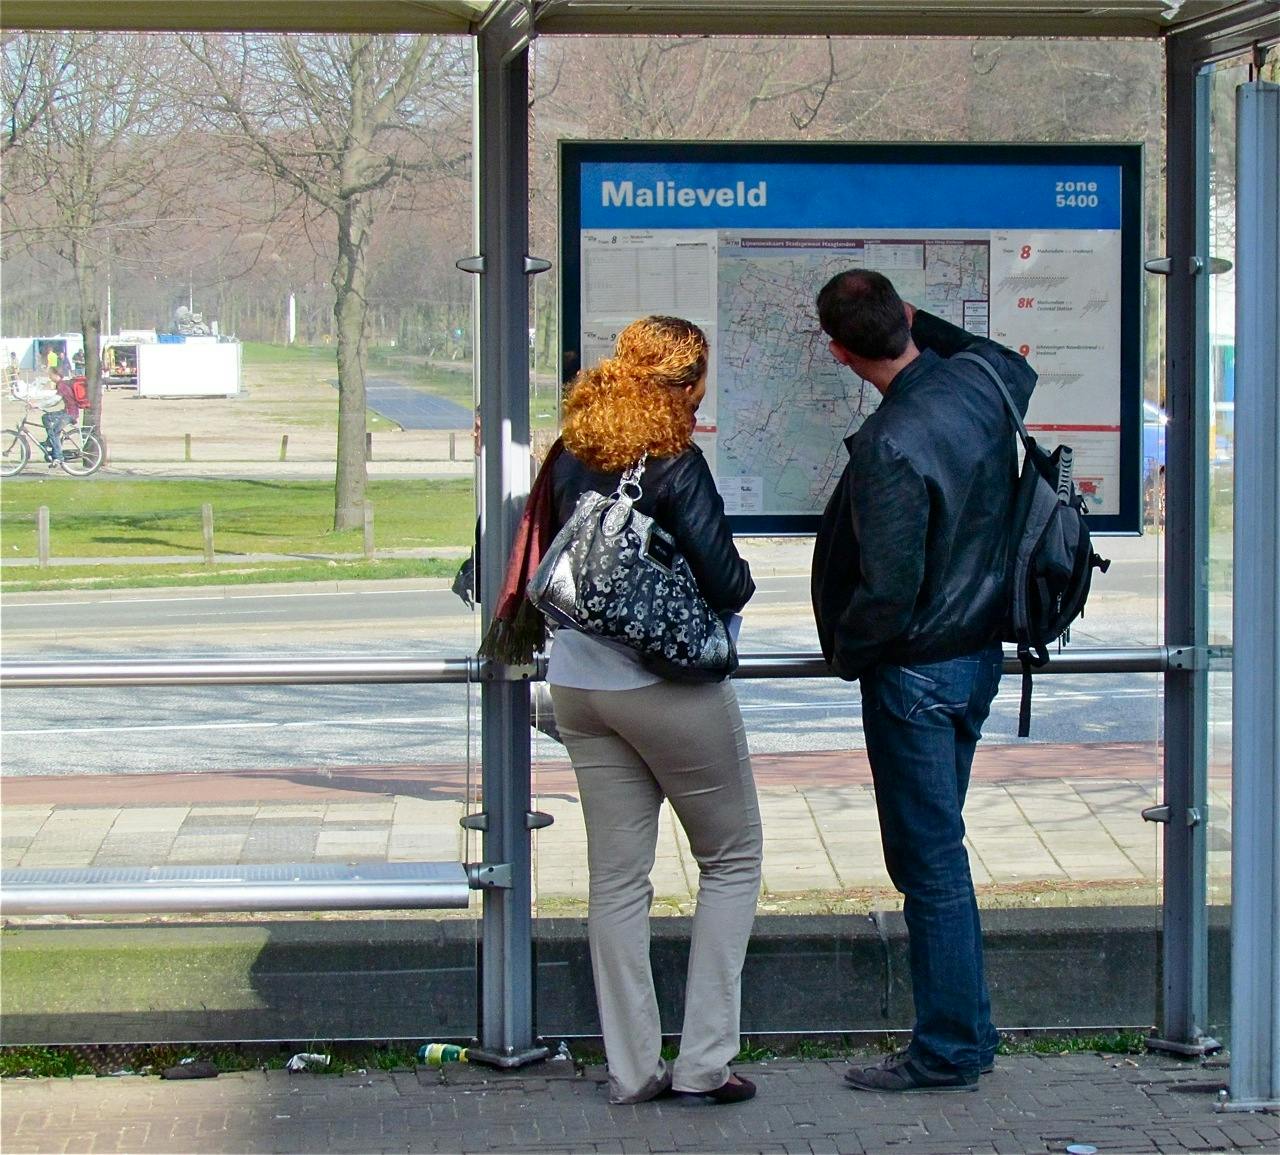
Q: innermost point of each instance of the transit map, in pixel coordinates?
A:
(1040, 267)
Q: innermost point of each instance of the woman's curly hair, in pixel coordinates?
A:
(634, 402)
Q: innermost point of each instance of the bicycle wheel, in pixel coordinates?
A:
(81, 452)
(14, 452)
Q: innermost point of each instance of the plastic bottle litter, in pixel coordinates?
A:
(305, 1059)
(563, 1054)
(437, 1054)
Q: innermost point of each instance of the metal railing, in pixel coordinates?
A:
(354, 671)
(368, 886)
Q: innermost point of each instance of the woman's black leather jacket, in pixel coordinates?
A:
(680, 495)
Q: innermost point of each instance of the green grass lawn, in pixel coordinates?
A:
(256, 353)
(140, 517)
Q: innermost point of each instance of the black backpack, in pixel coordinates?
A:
(1051, 557)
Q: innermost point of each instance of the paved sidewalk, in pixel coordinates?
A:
(1029, 1104)
(1069, 821)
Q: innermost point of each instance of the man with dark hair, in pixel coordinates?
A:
(910, 596)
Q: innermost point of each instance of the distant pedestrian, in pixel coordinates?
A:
(910, 599)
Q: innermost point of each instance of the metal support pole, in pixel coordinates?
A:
(506, 1029)
(1185, 985)
(1255, 714)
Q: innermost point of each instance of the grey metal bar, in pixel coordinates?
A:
(187, 889)
(1129, 660)
(356, 671)
(237, 672)
(1255, 714)
(506, 1029)
(1184, 994)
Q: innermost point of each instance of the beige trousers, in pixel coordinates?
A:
(630, 749)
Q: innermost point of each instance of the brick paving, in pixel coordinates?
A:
(1032, 1103)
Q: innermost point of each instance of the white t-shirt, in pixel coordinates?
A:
(585, 663)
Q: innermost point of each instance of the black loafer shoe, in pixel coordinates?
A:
(902, 1074)
(735, 1089)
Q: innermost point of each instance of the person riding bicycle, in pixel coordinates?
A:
(58, 407)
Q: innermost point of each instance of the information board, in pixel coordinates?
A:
(1037, 246)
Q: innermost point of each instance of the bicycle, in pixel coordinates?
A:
(82, 452)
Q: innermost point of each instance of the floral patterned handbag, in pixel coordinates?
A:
(616, 574)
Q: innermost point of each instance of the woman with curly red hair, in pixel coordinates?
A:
(635, 738)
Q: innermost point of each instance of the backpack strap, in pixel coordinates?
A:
(1024, 704)
(1004, 391)
(1024, 650)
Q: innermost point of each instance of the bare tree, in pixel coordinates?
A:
(34, 68)
(86, 155)
(340, 120)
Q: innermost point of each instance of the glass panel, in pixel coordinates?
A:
(213, 247)
(1053, 823)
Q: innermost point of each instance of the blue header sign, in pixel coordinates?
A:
(1036, 246)
(1061, 195)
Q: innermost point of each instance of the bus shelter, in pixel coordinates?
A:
(1196, 36)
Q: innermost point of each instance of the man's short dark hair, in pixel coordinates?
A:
(861, 310)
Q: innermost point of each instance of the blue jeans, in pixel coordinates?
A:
(53, 423)
(922, 725)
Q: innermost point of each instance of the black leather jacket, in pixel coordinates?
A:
(910, 560)
(680, 495)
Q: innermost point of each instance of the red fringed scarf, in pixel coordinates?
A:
(517, 630)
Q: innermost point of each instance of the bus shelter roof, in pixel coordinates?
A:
(1041, 18)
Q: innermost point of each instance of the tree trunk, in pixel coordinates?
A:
(87, 278)
(350, 310)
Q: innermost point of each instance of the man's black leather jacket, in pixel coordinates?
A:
(680, 495)
(909, 564)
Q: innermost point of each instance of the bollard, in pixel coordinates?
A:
(368, 446)
(42, 536)
(284, 445)
(368, 530)
(453, 447)
(186, 448)
(206, 519)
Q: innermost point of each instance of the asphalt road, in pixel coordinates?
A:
(243, 727)
(413, 409)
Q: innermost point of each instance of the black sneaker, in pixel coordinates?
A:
(902, 1074)
(988, 1065)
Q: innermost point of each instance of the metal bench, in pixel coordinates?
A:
(190, 889)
